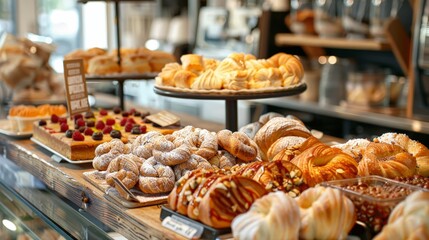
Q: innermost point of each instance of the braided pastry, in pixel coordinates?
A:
(194, 162)
(408, 220)
(155, 177)
(251, 129)
(273, 216)
(203, 143)
(290, 67)
(418, 150)
(125, 169)
(166, 152)
(238, 144)
(223, 160)
(106, 152)
(328, 206)
(321, 163)
(228, 197)
(276, 128)
(386, 160)
(198, 194)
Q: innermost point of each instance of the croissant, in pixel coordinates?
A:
(276, 128)
(386, 160)
(290, 67)
(418, 150)
(193, 63)
(321, 163)
(266, 77)
(155, 177)
(288, 145)
(354, 147)
(228, 197)
(289, 152)
(251, 129)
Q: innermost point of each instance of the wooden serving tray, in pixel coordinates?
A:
(97, 178)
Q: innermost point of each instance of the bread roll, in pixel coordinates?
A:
(193, 63)
(184, 79)
(136, 63)
(103, 65)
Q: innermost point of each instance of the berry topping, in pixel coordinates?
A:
(62, 120)
(54, 118)
(77, 116)
(125, 114)
(136, 130)
(132, 110)
(100, 125)
(143, 129)
(117, 110)
(81, 129)
(64, 127)
(110, 121)
(131, 120)
(137, 113)
(42, 122)
(77, 136)
(123, 121)
(145, 114)
(128, 127)
(89, 115)
(69, 133)
(97, 136)
(90, 123)
(115, 134)
(80, 122)
(88, 132)
(103, 112)
(107, 129)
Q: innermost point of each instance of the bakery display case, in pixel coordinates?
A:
(368, 57)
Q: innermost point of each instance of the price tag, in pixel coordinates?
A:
(77, 95)
(182, 227)
(164, 118)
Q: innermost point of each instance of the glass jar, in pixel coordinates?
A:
(327, 18)
(380, 12)
(355, 18)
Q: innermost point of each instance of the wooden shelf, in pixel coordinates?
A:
(340, 43)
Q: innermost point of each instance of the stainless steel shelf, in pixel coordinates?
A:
(350, 113)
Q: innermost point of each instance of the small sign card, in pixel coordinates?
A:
(164, 118)
(183, 227)
(77, 95)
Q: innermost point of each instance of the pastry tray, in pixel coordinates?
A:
(122, 76)
(201, 231)
(96, 178)
(6, 129)
(289, 90)
(58, 157)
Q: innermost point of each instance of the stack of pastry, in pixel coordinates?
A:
(235, 72)
(98, 61)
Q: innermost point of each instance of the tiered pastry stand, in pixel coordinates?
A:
(230, 98)
(120, 79)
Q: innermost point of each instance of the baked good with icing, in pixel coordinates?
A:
(251, 129)
(238, 144)
(321, 163)
(293, 149)
(408, 220)
(107, 151)
(125, 170)
(167, 153)
(194, 162)
(387, 160)
(417, 149)
(155, 177)
(273, 216)
(226, 198)
(328, 206)
(203, 143)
